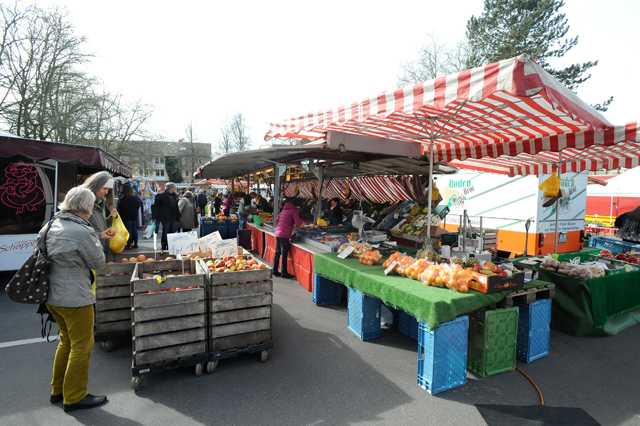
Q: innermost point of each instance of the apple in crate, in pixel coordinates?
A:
(496, 269)
(263, 266)
(221, 269)
(252, 262)
(504, 274)
(219, 264)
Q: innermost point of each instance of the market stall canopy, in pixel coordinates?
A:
(62, 152)
(626, 184)
(508, 107)
(601, 154)
(341, 162)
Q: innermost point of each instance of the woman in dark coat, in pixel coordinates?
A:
(217, 203)
(128, 207)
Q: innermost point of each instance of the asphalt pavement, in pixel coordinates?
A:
(318, 373)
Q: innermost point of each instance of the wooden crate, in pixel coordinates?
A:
(113, 300)
(239, 305)
(167, 324)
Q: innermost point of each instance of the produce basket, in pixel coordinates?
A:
(386, 249)
(337, 229)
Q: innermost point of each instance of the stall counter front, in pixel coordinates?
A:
(431, 305)
(300, 260)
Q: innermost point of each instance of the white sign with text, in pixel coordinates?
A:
(183, 243)
(224, 248)
(205, 242)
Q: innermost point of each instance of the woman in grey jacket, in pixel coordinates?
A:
(74, 249)
(104, 206)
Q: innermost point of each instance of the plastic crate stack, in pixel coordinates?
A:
(492, 341)
(326, 291)
(612, 245)
(442, 355)
(534, 330)
(408, 325)
(364, 315)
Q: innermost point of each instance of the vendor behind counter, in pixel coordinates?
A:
(628, 225)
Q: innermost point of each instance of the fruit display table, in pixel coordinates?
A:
(600, 306)
(430, 305)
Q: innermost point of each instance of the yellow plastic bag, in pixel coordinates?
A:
(321, 222)
(435, 192)
(551, 186)
(117, 243)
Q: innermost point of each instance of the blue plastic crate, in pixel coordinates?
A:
(364, 315)
(207, 226)
(442, 355)
(223, 230)
(408, 325)
(534, 331)
(615, 246)
(326, 291)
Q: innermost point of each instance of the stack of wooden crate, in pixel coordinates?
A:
(168, 318)
(239, 312)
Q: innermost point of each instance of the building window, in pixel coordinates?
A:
(159, 173)
(199, 161)
(159, 160)
(185, 173)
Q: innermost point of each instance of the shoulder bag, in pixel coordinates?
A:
(31, 283)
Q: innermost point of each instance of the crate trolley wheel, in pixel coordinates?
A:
(199, 369)
(136, 382)
(106, 345)
(212, 366)
(264, 355)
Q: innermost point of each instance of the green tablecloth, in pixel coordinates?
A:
(597, 307)
(429, 304)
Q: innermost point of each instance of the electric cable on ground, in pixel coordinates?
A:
(534, 384)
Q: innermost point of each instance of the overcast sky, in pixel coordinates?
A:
(275, 59)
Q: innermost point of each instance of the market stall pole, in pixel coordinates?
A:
(557, 231)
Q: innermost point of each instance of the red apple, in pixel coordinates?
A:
(220, 270)
(246, 268)
(477, 267)
(252, 262)
(111, 232)
(503, 274)
(219, 264)
(238, 257)
(496, 269)
(263, 266)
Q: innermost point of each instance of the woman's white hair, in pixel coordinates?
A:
(78, 200)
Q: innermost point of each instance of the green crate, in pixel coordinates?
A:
(441, 211)
(493, 338)
(387, 249)
(449, 240)
(584, 256)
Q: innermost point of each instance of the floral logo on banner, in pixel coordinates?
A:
(21, 189)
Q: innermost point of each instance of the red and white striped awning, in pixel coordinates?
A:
(377, 189)
(593, 152)
(507, 107)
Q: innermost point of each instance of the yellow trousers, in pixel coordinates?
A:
(71, 364)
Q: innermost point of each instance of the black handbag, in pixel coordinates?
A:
(31, 283)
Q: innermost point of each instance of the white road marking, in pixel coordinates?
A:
(22, 342)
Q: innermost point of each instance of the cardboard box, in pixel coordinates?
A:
(495, 284)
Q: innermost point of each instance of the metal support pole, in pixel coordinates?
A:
(319, 172)
(55, 193)
(555, 247)
(278, 170)
(432, 137)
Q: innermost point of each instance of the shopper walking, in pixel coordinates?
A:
(166, 212)
(228, 204)
(285, 222)
(244, 210)
(188, 215)
(202, 201)
(128, 207)
(104, 206)
(74, 250)
(217, 203)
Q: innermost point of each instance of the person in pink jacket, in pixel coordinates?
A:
(287, 219)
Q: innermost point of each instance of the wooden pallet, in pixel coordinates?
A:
(528, 295)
